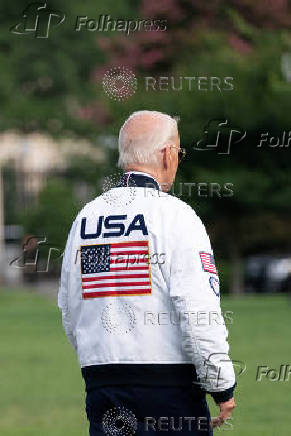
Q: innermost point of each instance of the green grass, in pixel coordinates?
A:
(42, 391)
(41, 386)
(260, 335)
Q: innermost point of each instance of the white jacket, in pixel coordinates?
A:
(139, 286)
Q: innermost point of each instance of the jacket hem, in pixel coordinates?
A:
(140, 374)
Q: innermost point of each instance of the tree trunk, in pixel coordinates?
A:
(2, 241)
(236, 282)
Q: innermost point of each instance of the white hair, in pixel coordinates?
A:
(142, 134)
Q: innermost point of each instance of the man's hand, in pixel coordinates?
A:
(225, 412)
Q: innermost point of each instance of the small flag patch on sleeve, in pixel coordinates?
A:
(208, 263)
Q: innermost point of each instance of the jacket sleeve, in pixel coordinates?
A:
(64, 288)
(194, 289)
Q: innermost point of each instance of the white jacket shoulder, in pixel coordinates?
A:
(184, 210)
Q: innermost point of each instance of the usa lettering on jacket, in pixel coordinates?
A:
(115, 223)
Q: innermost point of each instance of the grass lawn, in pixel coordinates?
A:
(42, 390)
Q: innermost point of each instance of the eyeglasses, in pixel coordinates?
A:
(181, 152)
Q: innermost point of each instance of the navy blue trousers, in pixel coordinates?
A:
(147, 411)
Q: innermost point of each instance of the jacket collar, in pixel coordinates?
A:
(139, 179)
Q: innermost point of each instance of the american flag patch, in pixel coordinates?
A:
(208, 263)
(116, 269)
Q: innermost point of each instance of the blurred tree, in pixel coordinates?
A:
(55, 85)
(54, 214)
(239, 39)
(45, 82)
(62, 197)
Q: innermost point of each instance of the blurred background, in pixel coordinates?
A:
(69, 77)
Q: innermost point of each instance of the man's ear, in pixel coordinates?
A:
(165, 158)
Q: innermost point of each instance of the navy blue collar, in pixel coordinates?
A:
(131, 178)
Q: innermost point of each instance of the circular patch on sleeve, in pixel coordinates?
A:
(214, 283)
